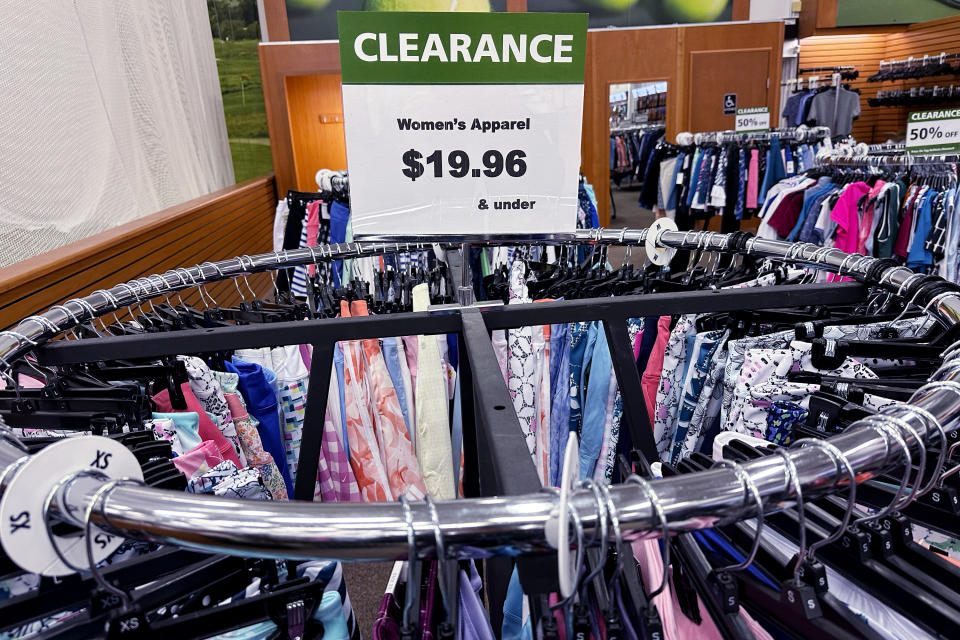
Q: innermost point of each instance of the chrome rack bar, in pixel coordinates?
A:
(40, 328)
(486, 527)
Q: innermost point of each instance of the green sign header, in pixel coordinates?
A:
(462, 48)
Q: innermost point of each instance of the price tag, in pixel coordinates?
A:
(462, 123)
(931, 132)
(753, 119)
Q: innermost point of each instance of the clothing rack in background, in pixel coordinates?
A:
(914, 68)
(798, 134)
(888, 155)
(842, 68)
(916, 96)
(640, 126)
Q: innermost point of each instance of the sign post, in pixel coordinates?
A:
(462, 124)
(936, 131)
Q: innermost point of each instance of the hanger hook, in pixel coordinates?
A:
(793, 477)
(613, 515)
(55, 491)
(448, 591)
(572, 516)
(932, 421)
(411, 601)
(843, 463)
(202, 283)
(922, 465)
(602, 526)
(886, 429)
(657, 507)
(749, 486)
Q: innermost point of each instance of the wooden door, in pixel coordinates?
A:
(714, 74)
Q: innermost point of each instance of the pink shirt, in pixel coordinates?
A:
(848, 221)
(208, 430)
(651, 375)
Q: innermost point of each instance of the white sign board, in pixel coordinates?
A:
(462, 124)
(753, 119)
(933, 132)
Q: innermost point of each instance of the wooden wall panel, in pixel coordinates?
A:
(662, 54)
(757, 36)
(713, 73)
(227, 223)
(863, 51)
(279, 61)
(315, 110)
(866, 50)
(615, 56)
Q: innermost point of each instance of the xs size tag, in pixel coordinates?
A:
(22, 519)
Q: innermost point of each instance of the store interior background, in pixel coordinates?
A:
(280, 119)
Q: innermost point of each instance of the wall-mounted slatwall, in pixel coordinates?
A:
(865, 51)
(234, 221)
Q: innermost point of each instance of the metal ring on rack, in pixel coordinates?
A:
(942, 457)
(44, 322)
(101, 496)
(843, 263)
(61, 484)
(93, 312)
(887, 429)
(614, 517)
(842, 462)
(71, 315)
(657, 507)
(922, 465)
(19, 337)
(907, 282)
(935, 299)
(793, 477)
(132, 293)
(600, 531)
(748, 486)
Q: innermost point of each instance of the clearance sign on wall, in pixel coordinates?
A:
(462, 123)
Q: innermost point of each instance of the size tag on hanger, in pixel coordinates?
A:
(22, 518)
(462, 123)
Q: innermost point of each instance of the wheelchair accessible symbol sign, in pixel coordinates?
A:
(729, 104)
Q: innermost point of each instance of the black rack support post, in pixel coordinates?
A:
(628, 379)
(505, 466)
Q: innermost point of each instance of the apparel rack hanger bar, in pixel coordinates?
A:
(884, 158)
(802, 133)
(641, 126)
(36, 329)
(501, 526)
(846, 67)
(921, 60)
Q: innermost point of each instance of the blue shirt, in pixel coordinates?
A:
(262, 405)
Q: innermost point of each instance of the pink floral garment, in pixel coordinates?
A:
(365, 458)
(252, 445)
(396, 450)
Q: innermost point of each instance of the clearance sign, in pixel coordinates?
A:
(464, 124)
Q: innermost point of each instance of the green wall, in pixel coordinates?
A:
(865, 12)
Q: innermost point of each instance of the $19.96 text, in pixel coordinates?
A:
(457, 164)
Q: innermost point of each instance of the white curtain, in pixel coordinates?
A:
(109, 110)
